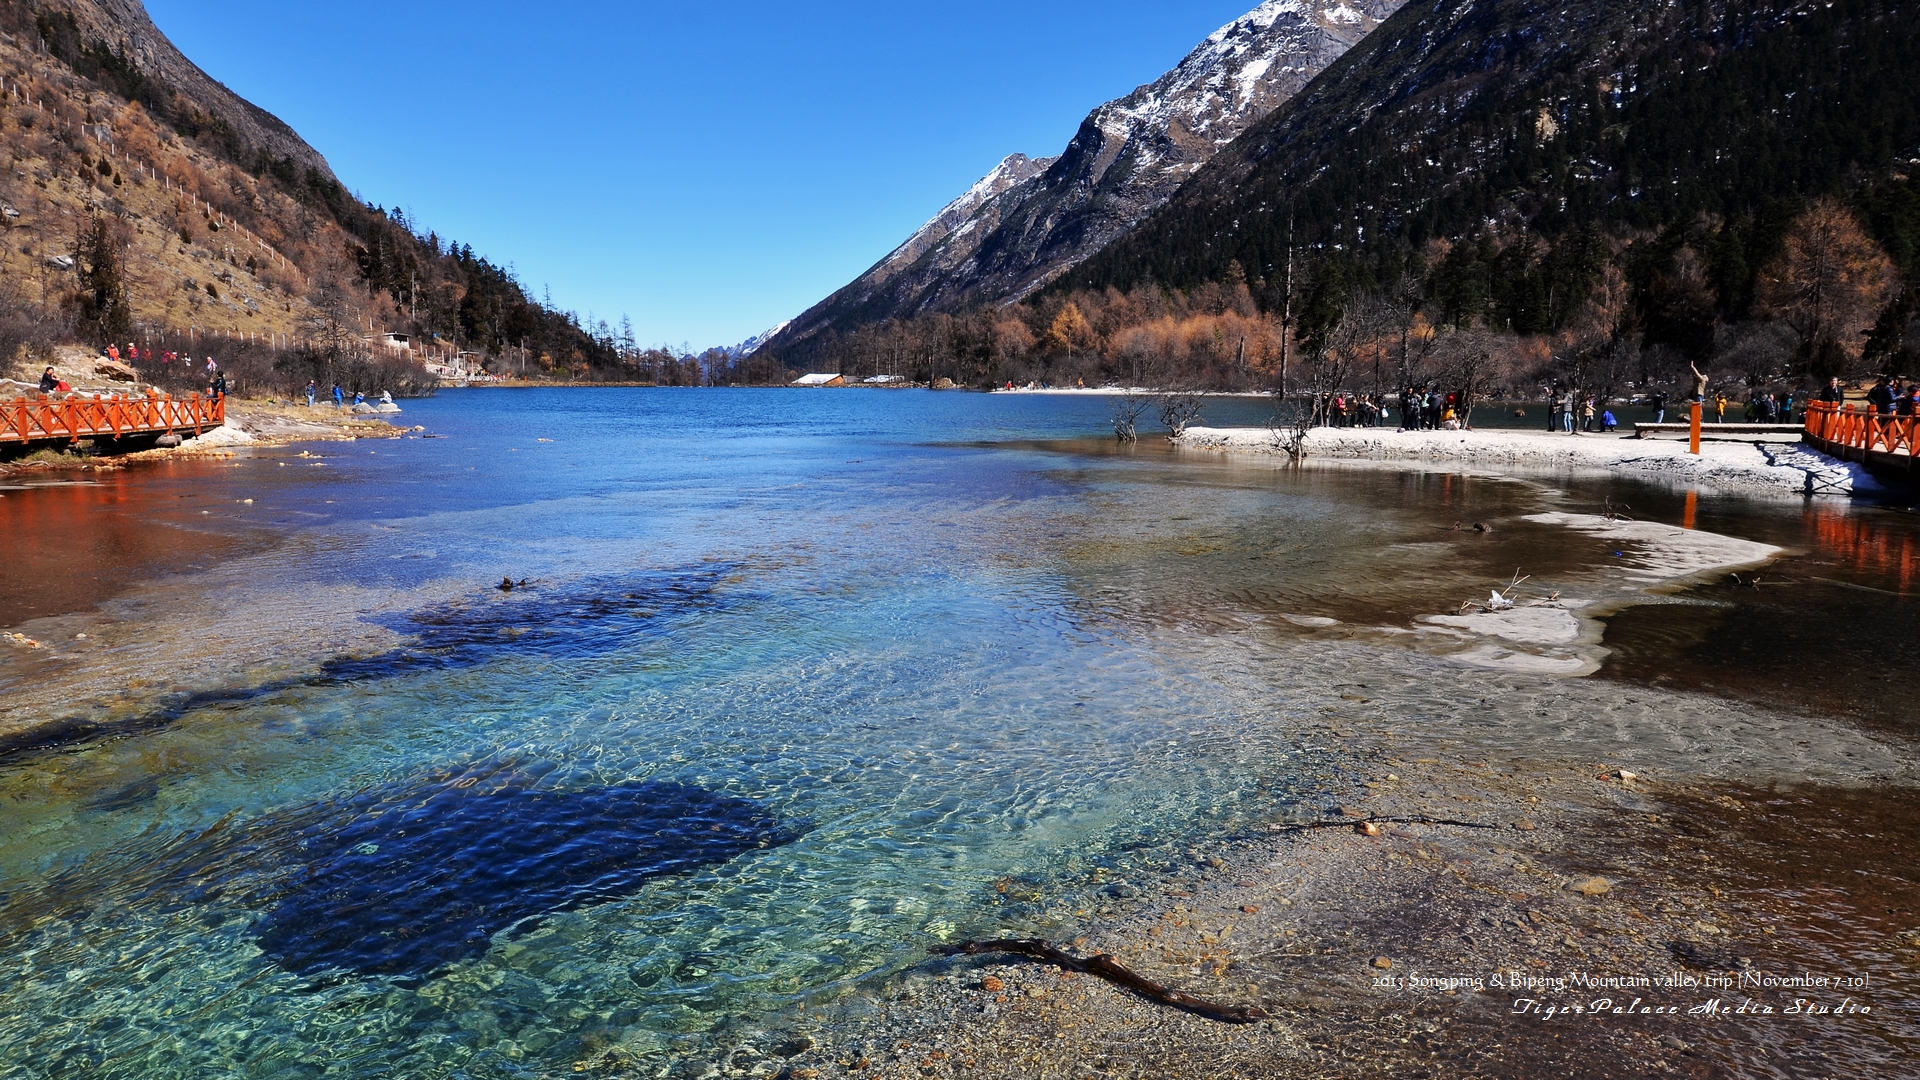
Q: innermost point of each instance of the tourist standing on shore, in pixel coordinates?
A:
(313, 391)
(1566, 412)
(1586, 415)
(338, 397)
(1719, 408)
(218, 388)
(1659, 403)
(1881, 396)
(1699, 384)
(1833, 393)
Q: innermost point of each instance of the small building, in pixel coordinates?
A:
(820, 379)
(885, 380)
(400, 342)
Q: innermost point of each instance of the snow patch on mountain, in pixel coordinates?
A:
(752, 345)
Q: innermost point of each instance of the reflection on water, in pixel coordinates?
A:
(799, 681)
(68, 545)
(1827, 628)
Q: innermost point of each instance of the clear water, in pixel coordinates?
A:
(974, 659)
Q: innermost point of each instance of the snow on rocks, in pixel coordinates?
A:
(1726, 466)
(226, 435)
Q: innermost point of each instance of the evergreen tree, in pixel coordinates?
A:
(100, 302)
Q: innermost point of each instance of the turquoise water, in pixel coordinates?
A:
(931, 666)
(845, 616)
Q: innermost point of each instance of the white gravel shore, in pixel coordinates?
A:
(1784, 468)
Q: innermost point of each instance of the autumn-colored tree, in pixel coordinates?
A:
(1829, 282)
(1068, 327)
(1012, 341)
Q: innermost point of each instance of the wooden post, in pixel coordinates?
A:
(1694, 444)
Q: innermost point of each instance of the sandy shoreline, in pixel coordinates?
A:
(1118, 391)
(1778, 468)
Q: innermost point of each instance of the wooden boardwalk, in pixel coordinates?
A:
(1881, 441)
(42, 419)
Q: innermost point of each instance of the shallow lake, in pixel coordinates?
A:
(789, 686)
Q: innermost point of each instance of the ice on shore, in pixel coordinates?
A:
(225, 435)
(1559, 636)
(1783, 468)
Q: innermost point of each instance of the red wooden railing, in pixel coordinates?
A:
(1854, 432)
(43, 419)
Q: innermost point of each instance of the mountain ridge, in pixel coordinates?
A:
(123, 39)
(1708, 123)
(1128, 156)
(141, 199)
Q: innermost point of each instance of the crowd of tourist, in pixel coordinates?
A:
(1895, 396)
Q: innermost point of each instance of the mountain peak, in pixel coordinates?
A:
(1029, 221)
(1012, 171)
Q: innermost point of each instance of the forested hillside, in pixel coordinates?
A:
(145, 202)
(1504, 150)
(1521, 193)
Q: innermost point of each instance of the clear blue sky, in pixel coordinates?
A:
(707, 169)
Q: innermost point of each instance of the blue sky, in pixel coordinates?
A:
(707, 169)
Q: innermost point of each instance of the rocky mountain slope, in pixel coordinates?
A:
(141, 199)
(1494, 136)
(1030, 221)
(135, 54)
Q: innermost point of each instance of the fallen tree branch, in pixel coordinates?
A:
(1348, 823)
(1106, 967)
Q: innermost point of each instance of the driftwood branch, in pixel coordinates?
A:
(1106, 967)
(1349, 823)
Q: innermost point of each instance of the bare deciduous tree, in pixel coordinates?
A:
(1828, 284)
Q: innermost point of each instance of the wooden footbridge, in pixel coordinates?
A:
(1875, 439)
(69, 418)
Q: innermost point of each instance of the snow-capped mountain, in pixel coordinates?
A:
(752, 345)
(1029, 221)
(958, 214)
